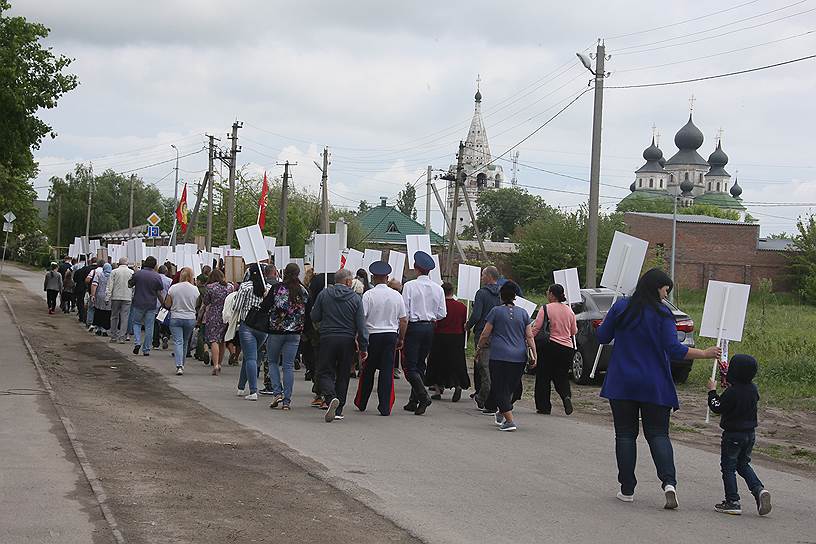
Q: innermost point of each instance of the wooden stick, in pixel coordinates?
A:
(614, 300)
(719, 341)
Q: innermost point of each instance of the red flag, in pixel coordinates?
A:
(262, 203)
(181, 210)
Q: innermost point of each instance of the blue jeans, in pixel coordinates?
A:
(288, 345)
(146, 317)
(182, 330)
(251, 339)
(90, 315)
(656, 429)
(735, 456)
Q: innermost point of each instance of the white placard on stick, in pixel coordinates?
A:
(135, 251)
(436, 273)
(370, 256)
(725, 303)
(270, 241)
(397, 262)
(302, 273)
(417, 242)
(624, 262)
(251, 240)
(528, 305)
(94, 245)
(468, 281)
(354, 260)
(281, 254)
(568, 279)
(326, 253)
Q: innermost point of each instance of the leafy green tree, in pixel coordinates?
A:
(642, 203)
(406, 201)
(363, 207)
(501, 211)
(31, 78)
(803, 258)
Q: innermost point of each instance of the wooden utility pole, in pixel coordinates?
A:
(284, 204)
(59, 219)
(453, 225)
(130, 214)
(210, 159)
(194, 218)
(324, 204)
(428, 203)
(234, 150)
(475, 226)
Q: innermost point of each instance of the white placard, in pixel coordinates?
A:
(72, 252)
(397, 262)
(85, 245)
(270, 241)
(370, 256)
(468, 281)
(417, 242)
(93, 246)
(726, 309)
(281, 254)
(302, 267)
(326, 253)
(354, 260)
(568, 279)
(251, 240)
(78, 245)
(436, 273)
(624, 263)
(528, 305)
(135, 251)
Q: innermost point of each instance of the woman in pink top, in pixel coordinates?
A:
(553, 329)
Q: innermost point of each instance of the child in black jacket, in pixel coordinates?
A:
(738, 408)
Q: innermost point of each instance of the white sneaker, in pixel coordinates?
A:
(179, 371)
(625, 498)
(241, 392)
(499, 418)
(251, 396)
(331, 410)
(671, 497)
(339, 418)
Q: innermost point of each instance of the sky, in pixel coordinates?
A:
(389, 87)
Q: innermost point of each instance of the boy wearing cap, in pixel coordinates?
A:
(737, 407)
(386, 321)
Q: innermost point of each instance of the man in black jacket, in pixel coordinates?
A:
(486, 299)
(80, 288)
(738, 409)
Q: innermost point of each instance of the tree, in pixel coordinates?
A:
(406, 200)
(363, 207)
(501, 211)
(803, 258)
(31, 78)
(642, 203)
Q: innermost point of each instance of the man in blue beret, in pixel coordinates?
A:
(425, 304)
(386, 321)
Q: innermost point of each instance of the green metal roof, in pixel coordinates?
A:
(388, 225)
(721, 200)
(647, 195)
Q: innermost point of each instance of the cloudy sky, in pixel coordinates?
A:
(389, 86)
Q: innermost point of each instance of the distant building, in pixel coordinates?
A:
(481, 175)
(686, 173)
(385, 224)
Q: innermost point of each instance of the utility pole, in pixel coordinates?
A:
(90, 193)
(194, 218)
(428, 203)
(211, 172)
(130, 214)
(452, 231)
(324, 204)
(59, 219)
(475, 226)
(595, 168)
(284, 204)
(446, 219)
(175, 189)
(234, 150)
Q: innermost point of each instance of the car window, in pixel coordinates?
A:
(603, 302)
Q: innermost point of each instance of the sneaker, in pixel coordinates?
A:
(499, 418)
(127, 338)
(421, 407)
(266, 391)
(544, 412)
(568, 406)
(625, 498)
(671, 497)
(331, 410)
(339, 418)
(276, 401)
(179, 371)
(286, 408)
(113, 340)
(146, 354)
(488, 412)
(729, 507)
(457, 394)
(99, 332)
(206, 358)
(763, 501)
(317, 402)
(241, 392)
(123, 341)
(508, 426)
(251, 396)
(410, 407)
(136, 349)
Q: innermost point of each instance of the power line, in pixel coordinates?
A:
(132, 151)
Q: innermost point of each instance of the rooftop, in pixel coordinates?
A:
(387, 225)
(683, 218)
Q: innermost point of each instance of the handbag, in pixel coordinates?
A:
(543, 335)
(258, 318)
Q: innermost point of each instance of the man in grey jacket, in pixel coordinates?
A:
(120, 295)
(486, 299)
(340, 313)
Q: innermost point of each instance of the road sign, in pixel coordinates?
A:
(10, 217)
(154, 219)
(8, 227)
(153, 232)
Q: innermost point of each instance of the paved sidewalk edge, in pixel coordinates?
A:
(76, 445)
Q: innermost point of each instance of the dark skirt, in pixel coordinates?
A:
(102, 319)
(447, 366)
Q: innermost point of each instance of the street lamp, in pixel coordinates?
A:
(686, 187)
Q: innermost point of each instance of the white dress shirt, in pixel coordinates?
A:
(424, 300)
(383, 308)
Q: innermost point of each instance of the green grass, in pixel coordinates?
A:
(788, 453)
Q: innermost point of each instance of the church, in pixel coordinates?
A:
(687, 174)
(476, 164)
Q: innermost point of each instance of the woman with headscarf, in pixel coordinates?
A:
(102, 307)
(181, 300)
(638, 381)
(248, 302)
(214, 327)
(447, 366)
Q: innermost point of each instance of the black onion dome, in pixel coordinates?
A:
(687, 186)
(718, 157)
(632, 187)
(662, 160)
(736, 190)
(478, 96)
(688, 137)
(652, 153)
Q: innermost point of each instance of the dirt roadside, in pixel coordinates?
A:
(176, 472)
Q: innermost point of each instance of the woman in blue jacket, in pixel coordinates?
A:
(639, 382)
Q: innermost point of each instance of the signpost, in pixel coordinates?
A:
(8, 226)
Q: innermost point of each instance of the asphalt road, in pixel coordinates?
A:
(451, 477)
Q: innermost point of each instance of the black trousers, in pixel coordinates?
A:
(381, 348)
(336, 353)
(554, 362)
(79, 298)
(418, 342)
(505, 379)
(66, 301)
(51, 297)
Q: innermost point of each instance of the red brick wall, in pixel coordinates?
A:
(712, 252)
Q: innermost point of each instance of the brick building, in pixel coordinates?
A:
(709, 248)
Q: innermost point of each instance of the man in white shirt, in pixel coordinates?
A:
(120, 296)
(424, 304)
(386, 321)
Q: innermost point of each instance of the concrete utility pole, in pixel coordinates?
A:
(595, 169)
(234, 150)
(456, 182)
(90, 193)
(475, 226)
(59, 219)
(130, 214)
(175, 190)
(211, 172)
(284, 204)
(428, 203)
(194, 218)
(446, 219)
(324, 204)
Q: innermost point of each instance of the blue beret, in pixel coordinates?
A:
(424, 261)
(380, 268)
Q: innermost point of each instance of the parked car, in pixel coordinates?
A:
(590, 312)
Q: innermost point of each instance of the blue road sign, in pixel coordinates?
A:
(153, 232)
